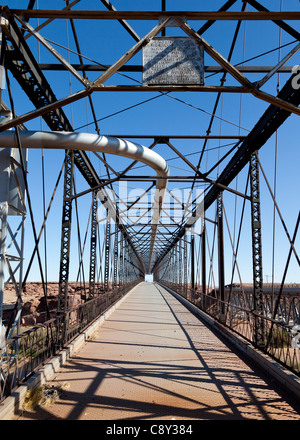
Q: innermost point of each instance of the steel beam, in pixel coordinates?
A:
(203, 265)
(170, 88)
(51, 49)
(267, 125)
(209, 23)
(116, 257)
(286, 27)
(221, 255)
(185, 263)
(180, 267)
(139, 68)
(3, 236)
(66, 233)
(156, 15)
(107, 256)
(93, 246)
(125, 25)
(257, 263)
(230, 68)
(24, 67)
(193, 261)
(128, 55)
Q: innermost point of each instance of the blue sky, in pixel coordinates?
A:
(237, 114)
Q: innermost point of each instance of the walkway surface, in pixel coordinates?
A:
(153, 359)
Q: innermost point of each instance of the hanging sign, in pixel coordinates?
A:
(173, 61)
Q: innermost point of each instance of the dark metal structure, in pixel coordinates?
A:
(191, 253)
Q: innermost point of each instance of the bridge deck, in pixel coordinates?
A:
(153, 359)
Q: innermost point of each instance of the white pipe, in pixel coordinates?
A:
(102, 144)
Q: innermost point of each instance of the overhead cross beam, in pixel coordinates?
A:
(139, 68)
(156, 15)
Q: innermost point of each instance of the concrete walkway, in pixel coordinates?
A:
(153, 359)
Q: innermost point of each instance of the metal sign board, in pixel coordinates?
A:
(173, 61)
(12, 185)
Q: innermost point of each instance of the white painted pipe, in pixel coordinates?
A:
(102, 144)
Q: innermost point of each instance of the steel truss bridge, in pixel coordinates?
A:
(225, 193)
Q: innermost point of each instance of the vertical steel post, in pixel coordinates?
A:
(2, 61)
(174, 267)
(180, 267)
(221, 255)
(3, 206)
(107, 249)
(203, 258)
(21, 272)
(192, 266)
(66, 233)
(177, 266)
(93, 247)
(116, 256)
(3, 234)
(259, 330)
(185, 280)
(121, 263)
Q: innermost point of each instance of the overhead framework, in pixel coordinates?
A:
(179, 186)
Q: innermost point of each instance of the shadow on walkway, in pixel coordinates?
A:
(153, 359)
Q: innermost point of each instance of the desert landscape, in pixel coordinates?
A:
(33, 300)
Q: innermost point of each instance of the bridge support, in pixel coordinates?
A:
(221, 256)
(66, 233)
(185, 279)
(116, 256)
(259, 331)
(180, 266)
(193, 261)
(93, 248)
(203, 268)
(12, 230)
(107, 256)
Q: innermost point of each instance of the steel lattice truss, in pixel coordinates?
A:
(67, 84)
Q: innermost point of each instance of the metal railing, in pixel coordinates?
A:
(23, 355)
(278, 337)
